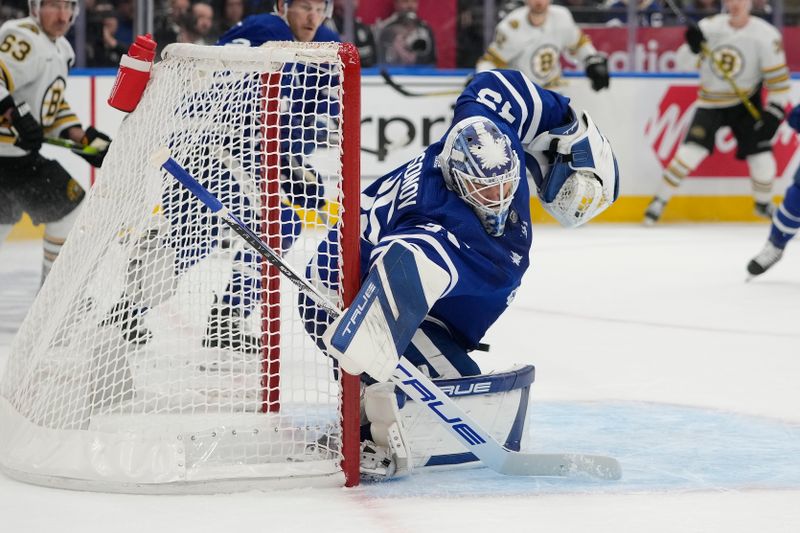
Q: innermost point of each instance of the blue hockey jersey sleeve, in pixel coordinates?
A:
(509, 97)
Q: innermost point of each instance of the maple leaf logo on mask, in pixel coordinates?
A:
(490, 151)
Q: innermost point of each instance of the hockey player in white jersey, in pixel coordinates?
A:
(785, 221)
(746, 52)
(445, 241)
(34, 58)
(532, 39)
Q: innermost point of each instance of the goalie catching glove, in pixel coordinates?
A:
(97, 140)
(400, 289)
(580, 178)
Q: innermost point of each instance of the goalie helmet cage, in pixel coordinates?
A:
(139, 366)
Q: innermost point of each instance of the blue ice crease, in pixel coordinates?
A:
(661, 448)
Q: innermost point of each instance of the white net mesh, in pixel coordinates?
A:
(162, 352)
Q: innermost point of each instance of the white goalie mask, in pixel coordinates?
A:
(579, 176)
(479, 164)
(35, 5)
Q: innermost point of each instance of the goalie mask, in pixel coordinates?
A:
(479, 164)
(579, 176)
(35, 5)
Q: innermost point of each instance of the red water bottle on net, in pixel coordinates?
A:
(133, 74)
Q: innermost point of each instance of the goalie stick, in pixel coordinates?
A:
(406, 376)
(405, 92)
(705, 51)
(243, 178)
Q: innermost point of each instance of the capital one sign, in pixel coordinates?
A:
(667, 127)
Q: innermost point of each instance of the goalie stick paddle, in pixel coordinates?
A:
(405, 92)
(406, 376)
(72, 145)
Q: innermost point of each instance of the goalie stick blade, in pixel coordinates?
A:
(559, 464)
(484, 446)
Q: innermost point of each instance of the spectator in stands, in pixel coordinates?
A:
(362, 34)
(762, 9)
(255, 7)
(648, 13)
(469, 33)
(170, 24)
(106, 50)
(233, 12)
(13, 9)
(404, 39)
(698, 9)
(585, 11)
(125, 13)
(201, 24)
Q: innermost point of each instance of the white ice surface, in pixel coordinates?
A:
(648, 346)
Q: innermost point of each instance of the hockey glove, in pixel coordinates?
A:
(695, 37)
(794, 118)
(597, 71)
(29, 132)
(97, 140)
(770, 121)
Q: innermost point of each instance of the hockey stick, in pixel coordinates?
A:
(705, 51)
(406, 376)
(405, 92)
(246, 182)
(72, 145)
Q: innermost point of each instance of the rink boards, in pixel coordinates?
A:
(645, 116)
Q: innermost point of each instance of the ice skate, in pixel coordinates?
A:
(127, 317)
(767, 257)
(654, 210)
(764, 209)
(225, 331)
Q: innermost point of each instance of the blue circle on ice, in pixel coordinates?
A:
(660, 447)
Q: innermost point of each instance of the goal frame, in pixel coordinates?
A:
(349, 386)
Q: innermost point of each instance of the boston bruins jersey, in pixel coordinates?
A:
(536, 50)
(748, 55)
(33, 69)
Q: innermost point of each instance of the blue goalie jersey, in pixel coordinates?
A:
(413, 204)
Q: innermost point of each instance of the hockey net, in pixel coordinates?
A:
(162, 354)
